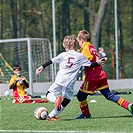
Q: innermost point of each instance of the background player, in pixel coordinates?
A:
(19, 83)
(103, 55)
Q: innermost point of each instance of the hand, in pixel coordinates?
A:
(101, 61)
(20, 79)
(38, 70)
(105, 58)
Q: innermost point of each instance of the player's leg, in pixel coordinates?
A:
(67, 94)
(52, 95)
(58, 102)
(55, 112)
(81, 96)
(87, 88)
(117, 99)
(54, 99)
(29, 100)
(39, 101)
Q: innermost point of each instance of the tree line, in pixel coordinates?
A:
(33, 18)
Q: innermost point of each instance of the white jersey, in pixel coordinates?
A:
(69, 64)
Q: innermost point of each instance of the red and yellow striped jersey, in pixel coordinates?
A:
(90, 52)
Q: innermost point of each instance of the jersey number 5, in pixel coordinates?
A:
(69, 62)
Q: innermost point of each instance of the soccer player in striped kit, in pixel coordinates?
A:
(69, 64)
(95, 79)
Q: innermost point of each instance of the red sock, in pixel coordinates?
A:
(35, 101)
(84, 108)
(28, 101)
(40, 101)
(123, 103)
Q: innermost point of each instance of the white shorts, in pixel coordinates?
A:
(66, 92)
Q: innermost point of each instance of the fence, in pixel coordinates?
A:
(125, 64)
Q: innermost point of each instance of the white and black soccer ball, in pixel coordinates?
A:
(41, 113)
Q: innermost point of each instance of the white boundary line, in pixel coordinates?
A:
(48, 131)
(40, 131)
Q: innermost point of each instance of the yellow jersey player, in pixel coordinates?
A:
(19, 83)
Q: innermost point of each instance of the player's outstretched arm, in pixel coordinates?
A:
(39, 70)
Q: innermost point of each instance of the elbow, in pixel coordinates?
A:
(27, 86)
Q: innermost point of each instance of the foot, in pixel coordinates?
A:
(130, 108)
(52, 119)
(58, 103)
(82, 117)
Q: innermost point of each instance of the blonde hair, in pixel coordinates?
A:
(70, 42)
(85, 35)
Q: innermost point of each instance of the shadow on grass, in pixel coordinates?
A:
(106, 117)
(112, 116)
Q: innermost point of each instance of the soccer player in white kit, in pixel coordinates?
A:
(69, 64)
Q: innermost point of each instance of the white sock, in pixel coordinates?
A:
(55, 112)
(51, 97)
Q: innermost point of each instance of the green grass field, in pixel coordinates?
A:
(106, 117)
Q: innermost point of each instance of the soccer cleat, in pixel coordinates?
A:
(130, 108)
(83, 117)
(58, 103)
(52, 119)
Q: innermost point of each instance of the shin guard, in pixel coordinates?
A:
(84, 108)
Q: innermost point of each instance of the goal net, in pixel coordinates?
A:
(29, 53)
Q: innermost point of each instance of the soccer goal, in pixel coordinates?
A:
(29, 53)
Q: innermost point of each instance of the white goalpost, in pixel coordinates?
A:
(29, 53)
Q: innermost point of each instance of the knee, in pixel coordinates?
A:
(78, 96)
(81, 96)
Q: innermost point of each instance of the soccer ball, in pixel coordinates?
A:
(41, 113)
(7, 93)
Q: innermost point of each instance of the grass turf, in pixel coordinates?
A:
(106, 117)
